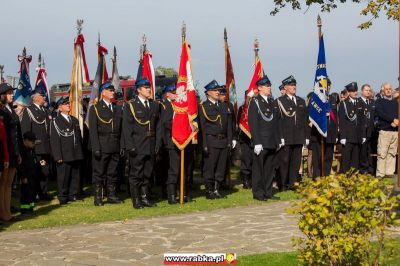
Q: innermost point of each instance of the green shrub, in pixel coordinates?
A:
(340, 215)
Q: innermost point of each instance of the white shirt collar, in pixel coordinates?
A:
(66, 117)
(352, 100)
(9, 108)
(143, 101)
(364, 99)
(212, 101)
(264, 97)
(38, 106)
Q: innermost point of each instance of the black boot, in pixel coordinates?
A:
(145, 197)
(210, 191)
(216, 190)
(111, 194)
(171, 194)
(246, 183)
(136, 202)
(98, 193)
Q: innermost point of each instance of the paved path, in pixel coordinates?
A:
(244, 230)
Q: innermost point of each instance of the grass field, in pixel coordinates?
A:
(51, 214)
(290, 258)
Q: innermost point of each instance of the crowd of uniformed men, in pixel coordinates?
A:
(133, 139)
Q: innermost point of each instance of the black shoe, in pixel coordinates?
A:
(210, 195)
(111, 194)
(274, 198)
(98, 194)
(27, 212)
(63, 202)
(172, 200)
(45, 197)
(187, 198)
(137, 203)
(259, 198)
(145, 200)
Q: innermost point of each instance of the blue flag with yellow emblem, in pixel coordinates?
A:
(319, 103)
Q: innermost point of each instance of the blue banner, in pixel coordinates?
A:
(23, 92)
(319, 103)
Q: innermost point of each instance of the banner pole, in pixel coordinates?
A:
(182, 177)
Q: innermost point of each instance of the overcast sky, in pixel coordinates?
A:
(288, 41)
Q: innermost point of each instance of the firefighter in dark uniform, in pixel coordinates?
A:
(368, 106)
(142, 133)
(29, 172)
(352, 129)
(330, 140)
(66, 147)
(293, 124)
(263, 124)
(231, 111)
(105, 133)
(174, 154)
(36, 119)
(246, 156)
(216, 130)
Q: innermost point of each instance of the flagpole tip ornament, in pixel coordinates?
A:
(24, 51)
(256, 45)
(98, 39)
(183, 30)
(114, 59)
(79, 25)
(40, 60)
(225, 34)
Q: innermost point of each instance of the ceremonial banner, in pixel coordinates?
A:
(319, 105)
(115, 81)
(184, 126)
(41, 83)
(100, 78)
(79, 78)
(250, 92)
(148, 71)
(24, 90)
(230, 78)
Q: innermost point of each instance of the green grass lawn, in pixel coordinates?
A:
(290, 258)
(51, 214)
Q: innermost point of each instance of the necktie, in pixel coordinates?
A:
(110, 107)
(69, 119)
(146, 104)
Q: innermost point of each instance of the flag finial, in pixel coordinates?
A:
(115, 55)
(183, 30)
(40, 60)
(144, 41)
(98, 39)
(79, 25)
(24, 51)
(43, 64)
(256, 46)
(319, 25)
(225, 35)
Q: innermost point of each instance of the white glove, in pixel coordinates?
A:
(233, 144)
(257, 149)
(363, 140)
(336, 140)
(343, 142)
(307, 142)
(282, 142)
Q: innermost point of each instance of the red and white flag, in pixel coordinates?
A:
(250, 92)
(184, 126)
(148, 71)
